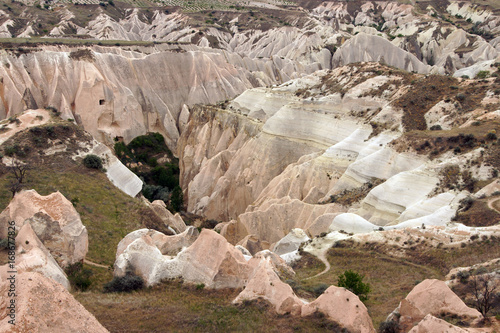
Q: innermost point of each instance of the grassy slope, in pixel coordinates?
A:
(108, 213)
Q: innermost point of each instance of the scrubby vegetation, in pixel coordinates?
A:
(149, 157)
(354, 282)
(92, 162)
(79, 277)
(126, 283)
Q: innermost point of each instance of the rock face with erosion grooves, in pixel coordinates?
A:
(431, 297)
(344, 308)
(32, 256)
(53, 219)
(43, 305)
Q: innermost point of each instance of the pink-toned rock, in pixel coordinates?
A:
(32, 256)
(54, 220)
(431, 297)
(264, 283)
(234, 231)
(43, 305)
(343, 307)
(279, 265)
(211, 260)
(173, 221)
(431, 324)
(253, 244)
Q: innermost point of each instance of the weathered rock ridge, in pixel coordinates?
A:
(278, 158)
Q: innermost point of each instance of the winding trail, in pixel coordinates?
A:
(88, 262)
(322, 257)
(491, 206)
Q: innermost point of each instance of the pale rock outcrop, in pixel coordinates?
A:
(290, 242)
(432, 324)
(141, 257)
(116, 171)
(279, 265)
(489, 189)
(431, 297)
(168, 245)
(365, 47)
(211, 260)
(264, 283)
(351, 223)
(284, 215)
(54, 220)
(43, 305)
(32, 256)
(343, 307)
(171, 220)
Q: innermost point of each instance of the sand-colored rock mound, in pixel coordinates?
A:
(32, 256)
(211, 260)
(207, 258)
(432, 324)
(431, 297)
(264, 283)
(53, 219)
(43, 305)
(343, 307)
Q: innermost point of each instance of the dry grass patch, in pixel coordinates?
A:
(176, 307)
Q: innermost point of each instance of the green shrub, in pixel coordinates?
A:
(482, 74)
(436, 128)
(156, 192)
(126, 283)
(491, 136)
(354, 282)
(92, 162)
(79, 277)
(176, 200)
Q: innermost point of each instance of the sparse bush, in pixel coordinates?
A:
(482, 74)
(389, 326)
(354, 282)
(491, 136)
(436, 128)
(79, 277)
(319, 289)
(200, 286)
(92, 162)
(463, 276)
(460, 97)
(126, 283)
(177, 200)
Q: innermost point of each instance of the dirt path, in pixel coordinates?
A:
(491, 203)
(321, 257)
(88, 262)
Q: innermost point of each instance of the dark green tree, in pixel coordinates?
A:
(354, 282)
